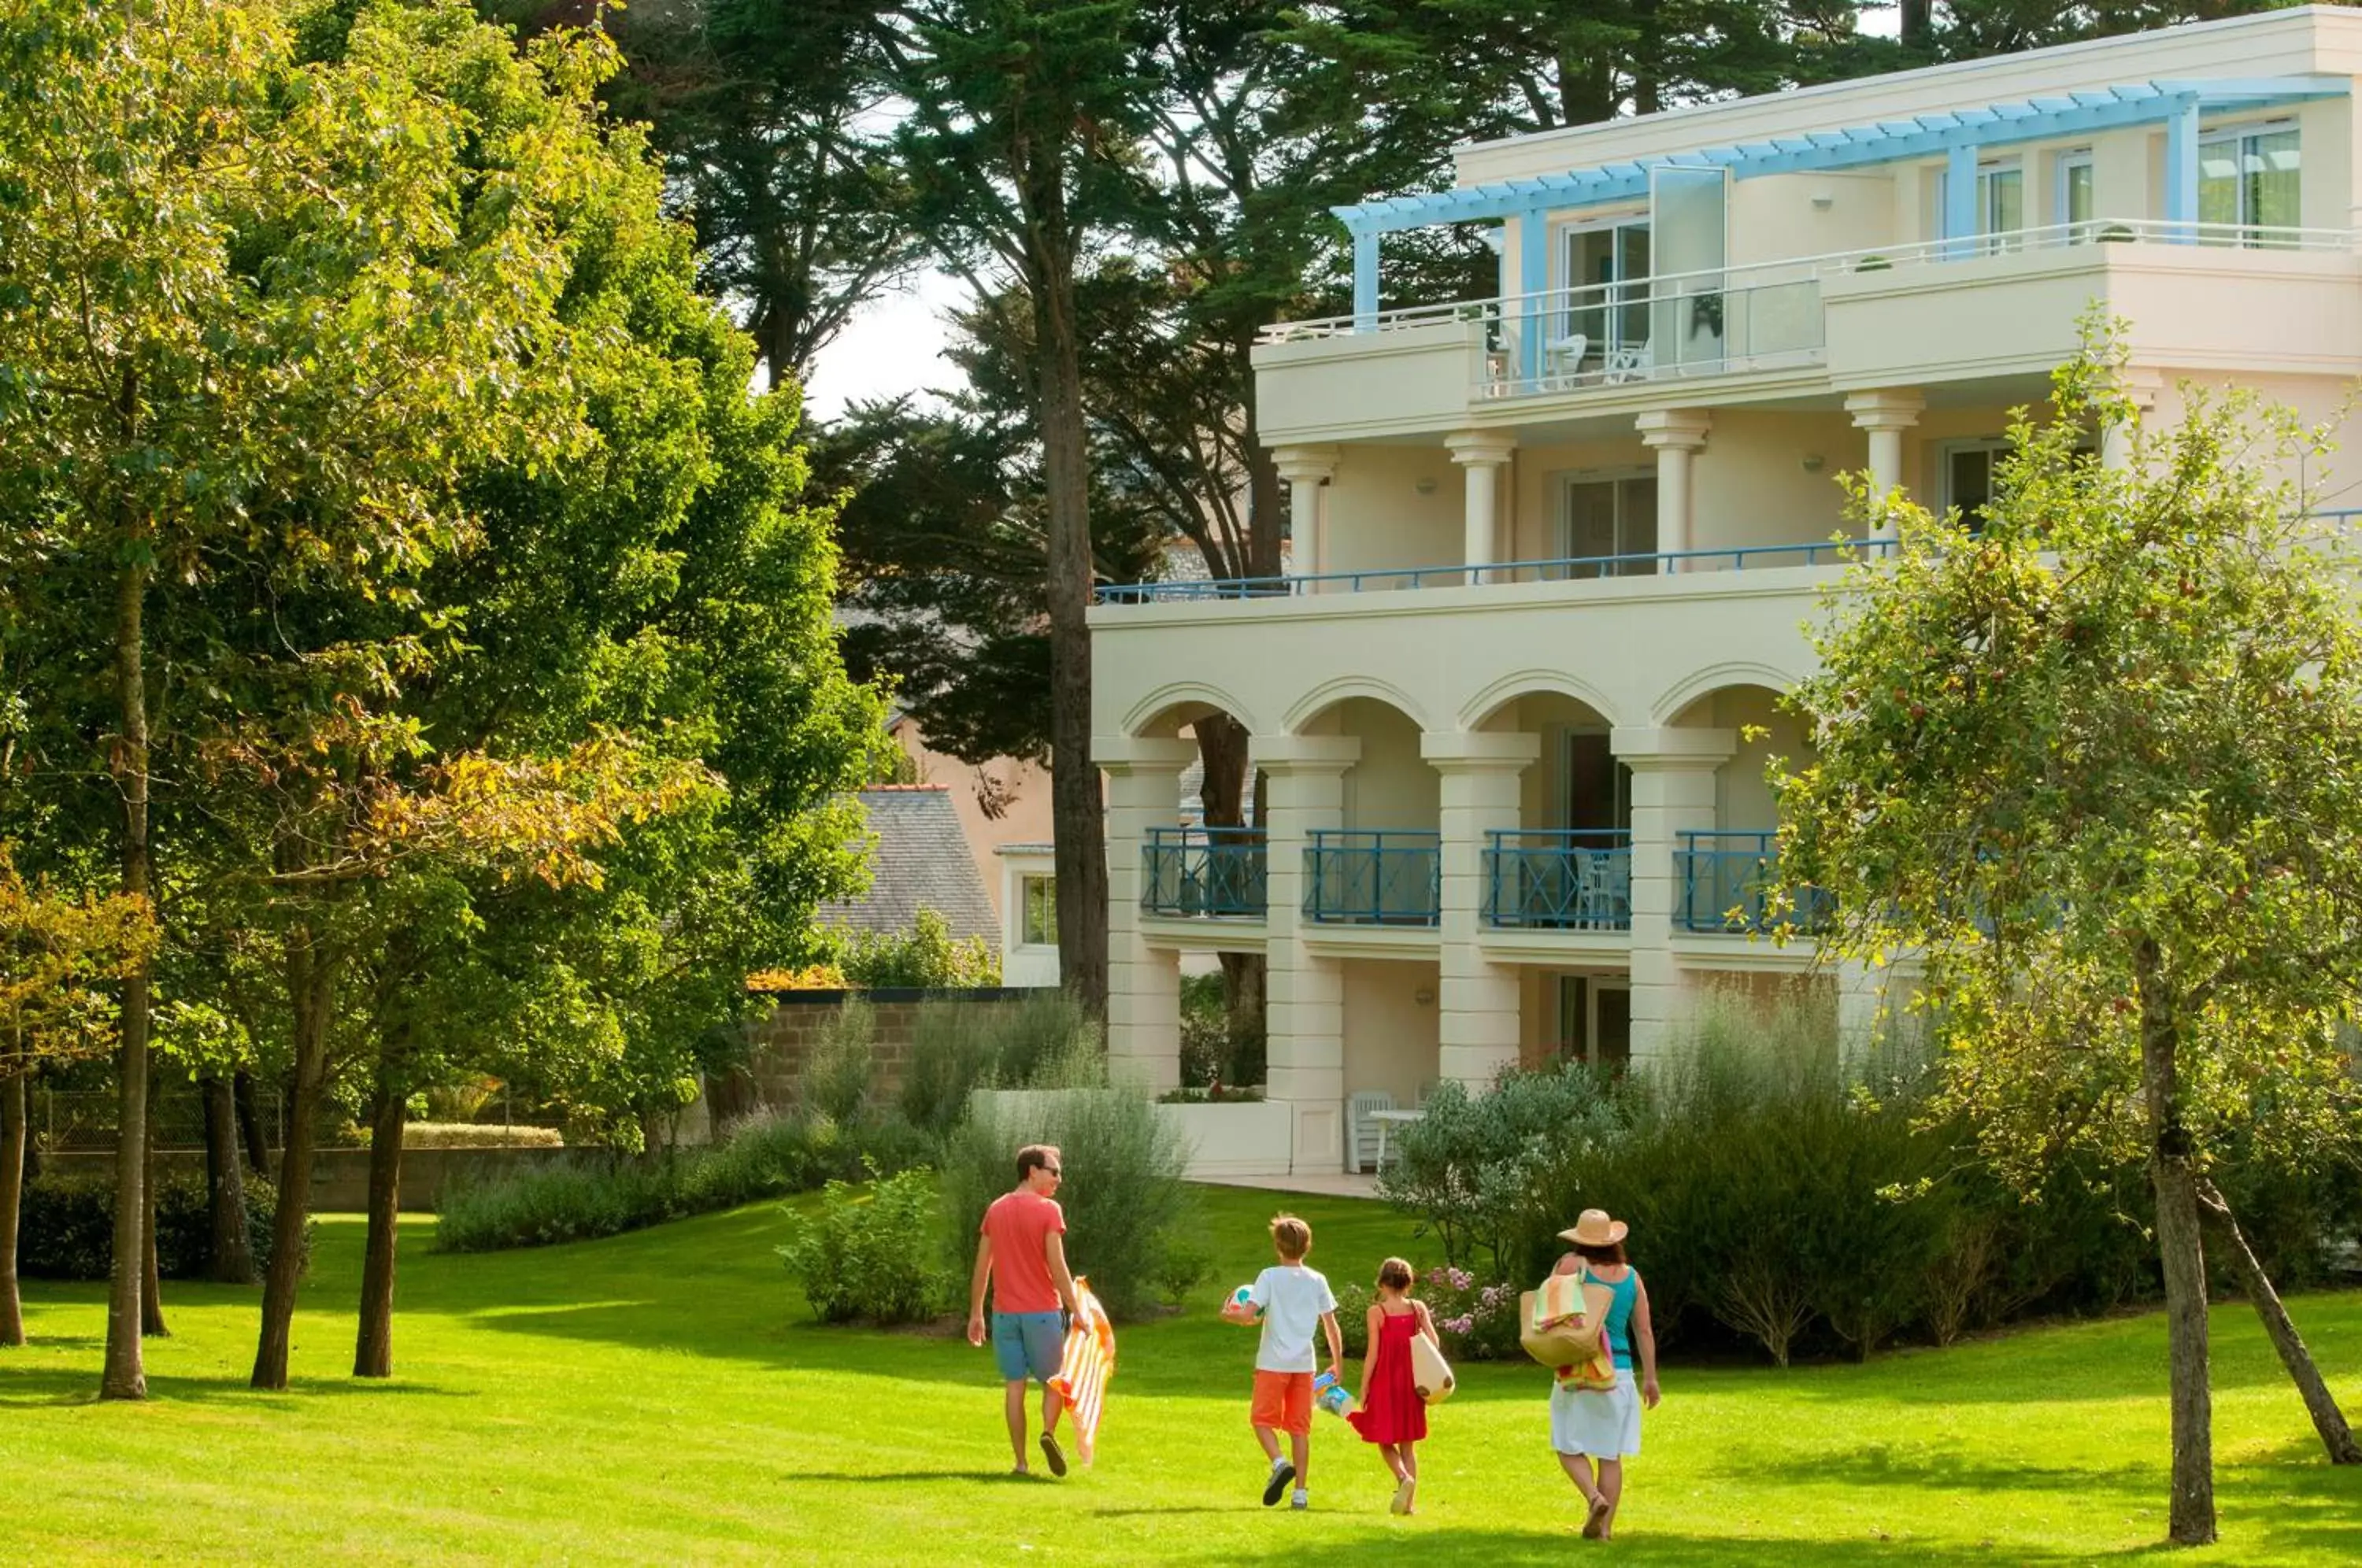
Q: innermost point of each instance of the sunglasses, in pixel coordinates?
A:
(1052, 1171)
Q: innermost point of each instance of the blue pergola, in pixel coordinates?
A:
(1957, 136)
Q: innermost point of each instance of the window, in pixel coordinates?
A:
(2075, 189)
(2001, 202)
(1608, 286)
(1040, 897)
(1595, 785)
(1609, 517)
(1968, 477)
(1969, 469)
(1594, 1021)
(2247, 180)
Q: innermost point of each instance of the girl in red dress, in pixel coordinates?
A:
(1392, 1414)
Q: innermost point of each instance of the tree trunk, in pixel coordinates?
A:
(233, 1247)
(310, 985)
(1918, 27)
(125, 1374)
(1221, 799)
(152, 1274)
(2327, 1418)
(1076, 801)
(373, 1350)
(1265, 498)
(2173, 1176)
(12, 1196)
(250, 1122)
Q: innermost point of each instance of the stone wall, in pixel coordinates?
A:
(784, 1040)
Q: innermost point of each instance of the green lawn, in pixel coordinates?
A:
(658, 1397)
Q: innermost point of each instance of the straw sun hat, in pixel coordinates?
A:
(1593, 1228)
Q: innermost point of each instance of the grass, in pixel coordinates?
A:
(657, 1396)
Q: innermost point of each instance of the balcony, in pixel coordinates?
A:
(1723, 873)
(1372, 876)
(1215, 873)
(2003, 304)
(1578, 568)
(1573, 879)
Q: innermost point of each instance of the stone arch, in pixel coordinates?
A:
(1174, 704)
(1669, 708)
(1479, 710)
(1329, 693)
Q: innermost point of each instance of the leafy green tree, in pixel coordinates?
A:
(773, 119)
(55, 950)
(2094, 763)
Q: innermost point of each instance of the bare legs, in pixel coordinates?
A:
(1299, 1450)
(1607, 1489)
(1013, 1403)
(1402, 1459)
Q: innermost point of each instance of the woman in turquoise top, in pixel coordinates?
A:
(1603, 1425)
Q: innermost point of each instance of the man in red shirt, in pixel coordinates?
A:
(1022, 1251)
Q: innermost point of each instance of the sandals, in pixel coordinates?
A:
(1595, 1527)
(1052, 1453)
(1404, 1491)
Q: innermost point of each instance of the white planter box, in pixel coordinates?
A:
(1249, 1138)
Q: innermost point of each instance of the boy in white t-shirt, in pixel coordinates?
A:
(1291, 1300)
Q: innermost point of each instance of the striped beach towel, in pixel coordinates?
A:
(1087, 1368)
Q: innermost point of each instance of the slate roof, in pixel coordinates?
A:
(921, 860)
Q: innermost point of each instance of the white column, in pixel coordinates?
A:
(1307, 470)
(1144, 790)
(1885, 415)
(2141, 386)
(1478, 1002)
(1304, 997)
(1483, 454)
(1676, 435)
(1672, 790)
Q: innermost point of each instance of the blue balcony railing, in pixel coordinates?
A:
(1751, 558)
(1563, 880)
(1722, 873)
(1203, 871)
(1372, 876)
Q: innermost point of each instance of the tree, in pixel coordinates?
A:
(2095, 763)
(773, 121)
(239, 320)
(1019, 148)
(55, 950)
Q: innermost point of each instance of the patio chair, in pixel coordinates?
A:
(1365, 1131)
(1563, 357)
(1630, 362)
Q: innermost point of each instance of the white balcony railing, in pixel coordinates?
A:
(1763, 315)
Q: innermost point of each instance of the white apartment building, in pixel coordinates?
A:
(1555, 548)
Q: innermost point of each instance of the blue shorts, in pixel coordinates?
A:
(1028, 1342)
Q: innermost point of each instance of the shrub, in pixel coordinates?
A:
(1472, 1167)
(478, 1135)
(926, 957)
(869, 1254)
(1216, 1048)
(1123, 1195)
(66, 1226)
(604, 1195)
(1182, 1269)
(843, 1065)
(956, 1048)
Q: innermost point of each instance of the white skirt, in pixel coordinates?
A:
(1601, 1422)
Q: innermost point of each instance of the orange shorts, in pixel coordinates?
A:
(1283, 1401)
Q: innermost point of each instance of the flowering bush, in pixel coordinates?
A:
(1476, 1321)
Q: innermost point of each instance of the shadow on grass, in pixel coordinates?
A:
(79, 1385)
(1495, 1547)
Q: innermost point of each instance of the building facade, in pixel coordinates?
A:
(1556, 550)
